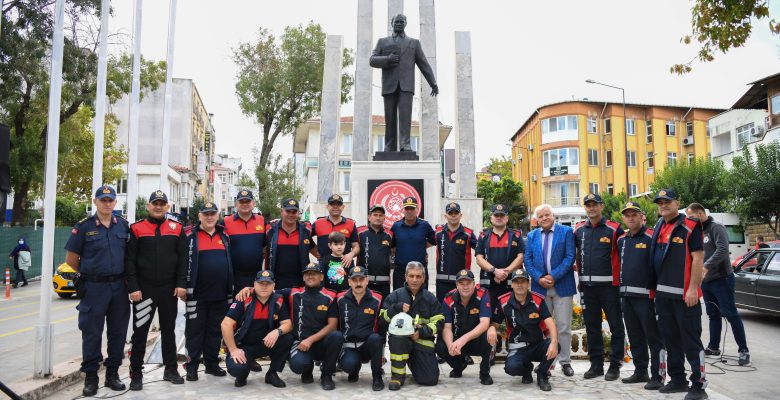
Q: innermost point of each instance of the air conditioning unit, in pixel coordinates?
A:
(514, 162)
(757, 131)
(519, 156)
(688, 141)
(530, 147)
(533, 178)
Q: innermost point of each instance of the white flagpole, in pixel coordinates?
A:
(166, 130)
(135, 105)
(100, 99)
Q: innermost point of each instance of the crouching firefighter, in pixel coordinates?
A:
(412, 333)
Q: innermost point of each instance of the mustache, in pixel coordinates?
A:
(358, 287)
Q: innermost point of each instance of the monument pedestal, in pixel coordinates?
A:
(396, 156)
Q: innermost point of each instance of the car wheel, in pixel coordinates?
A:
(65, 295)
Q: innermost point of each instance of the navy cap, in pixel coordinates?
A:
(665, 194)
(357, 271)
(245, 195)
(264, 276)
(335, 198)
(410, 202)
(290, 204)
(632, 206)
(376, 207)
(520, 274)
(312, 267)
(208, 207)
(464, 274)
(592, 197)
(158, 195)
(452, 207)
(500, 209)
(105, 191)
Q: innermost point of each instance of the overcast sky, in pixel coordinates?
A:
(524, 56)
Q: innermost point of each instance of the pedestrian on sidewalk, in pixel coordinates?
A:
(22, 256)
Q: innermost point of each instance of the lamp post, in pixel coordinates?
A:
(625, 133)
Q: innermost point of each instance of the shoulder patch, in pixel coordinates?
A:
(467, 230)
(362, 228)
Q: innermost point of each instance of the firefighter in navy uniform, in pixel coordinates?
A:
(418, 350)
(246, 231)
(375, 249)
(637, 300)
(156, 273)
(335, 222)
(209, 292)
(359, 309)
(500, 251)
(599, 269)
(454, 245)
(96, 250)
(289, 243)
(677, 254)
(530, 329)
(258, 326)
(467, 329)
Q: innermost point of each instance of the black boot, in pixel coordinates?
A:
(272, 378)
(613, 372)
(377, 384)
(172, 376)
(485, 379)
(215, 370)
(594, 371)
(113, 382)
(326, 381)
(90, 384)
(636, 377)
(543, 381)
(254, 366)
(136, 379)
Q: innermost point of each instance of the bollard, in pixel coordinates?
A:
(7, 283)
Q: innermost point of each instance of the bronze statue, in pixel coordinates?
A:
(397, 55)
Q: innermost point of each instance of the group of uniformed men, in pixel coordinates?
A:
(249, 283)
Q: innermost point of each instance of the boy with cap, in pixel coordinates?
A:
(637, 299)
(375, 249)
(209, 292)
(412, 236)
(500, 251)
(598, 266)
(531, 332)
(332, 263)
(467, 330)
(156, 273)
(359, 309)
(258, 326)
(677, 254)
(335, 222)
(289, 243)
(454, 245)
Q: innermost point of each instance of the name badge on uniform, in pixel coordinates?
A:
(386, 242)
(460, 241)
(514, 244)
(276, 316)
(172, 225)
(345, 231)
(259, 228)
(533, 315)
(305, 241)
(677, 240)
(322, 308)
(640, 246)
(474, 311)
(605, 240)
(91, 233)
(368, 311)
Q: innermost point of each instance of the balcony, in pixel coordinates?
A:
(563, 201)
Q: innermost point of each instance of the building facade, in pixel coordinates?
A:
(566, 150)
(224, 175)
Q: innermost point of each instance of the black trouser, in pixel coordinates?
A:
(398, 118)
(496, 290)
(204, 332)
(596, 299)
(476, 347)
(278, 354)
(243, 279)
(420, 357)
(381, 288)
(371, 350)
(518, 361)
(444, 287)
(20, 276)
(326, 350)
(103, 305)
(639, 315)
(399, 276)
(680, 327)
(154, 298)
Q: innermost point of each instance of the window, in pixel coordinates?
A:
(593, 157)
(632, 190)
(121, 186)
(415, 142)
(379, 143)
(608, 158)
(650, 160)
(671, 158)
(562, 194)
(649, 131)
(776, 104)
(346, 144)
(555, 124)
(689, 129)
(593, 188)
(591, 124)
(691, 157)
(743, 134)
(224, 195)
(631, 158)
(708, 129)
(560, 157)
(736, 234)
(610, 189)
(344, 182)
(630, 127)
(222, 178)
(607, 126)
(773, 267)
(671, 129)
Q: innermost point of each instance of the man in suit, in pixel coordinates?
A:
(549, 257)
(397, 55)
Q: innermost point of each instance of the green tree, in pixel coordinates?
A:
(507, 192)
(702, 181)
(613, 203)
(720, 25)
(24, 81)
(69, 212)
(755, 181)
(279, 183)
(245, 181)
(500, 166)
(192, 214)
(279, 83)
(140, 208)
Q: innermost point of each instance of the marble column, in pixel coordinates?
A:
(394, 7)
(464, 126)
(429, 107)
(361, 124)
(329, 116)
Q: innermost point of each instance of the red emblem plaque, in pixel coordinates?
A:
(391, 195)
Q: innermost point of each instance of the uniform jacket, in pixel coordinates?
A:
(511, 240)
(453, 252)
(275, 304)
(192, 262)
(597, 256)
(156, 254)
(636, 268)
(358, 320)
(310, 309)
(672, 261)
(561, 250)
(425, 309)
(304, 244)
(375, 252)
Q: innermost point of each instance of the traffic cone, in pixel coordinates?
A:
(7, 283)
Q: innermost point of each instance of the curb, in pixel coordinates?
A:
(64, 374)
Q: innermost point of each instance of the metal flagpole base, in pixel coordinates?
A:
(43, 352)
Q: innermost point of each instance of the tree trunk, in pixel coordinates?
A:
(20, 198)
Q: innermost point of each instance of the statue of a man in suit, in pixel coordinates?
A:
(397, 55)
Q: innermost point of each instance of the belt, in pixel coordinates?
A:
(378, 278)
(102, 278)
(446, 278)
(517, 346)
(669, 289)
(484, 282)
(634, 289)
(352, 345)
(595, 278)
